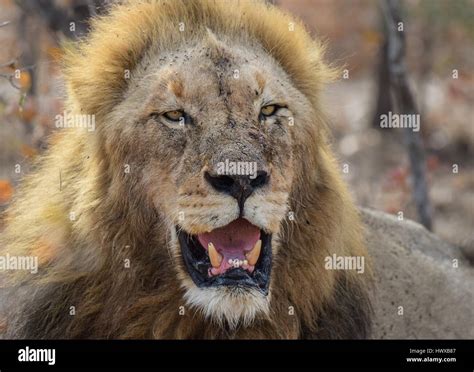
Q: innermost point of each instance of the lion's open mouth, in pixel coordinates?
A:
(238, 254)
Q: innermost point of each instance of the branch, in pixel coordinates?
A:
(406, 104)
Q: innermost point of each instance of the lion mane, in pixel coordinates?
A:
(83, 219)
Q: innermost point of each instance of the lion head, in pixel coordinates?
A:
(218, 126)
(210, 163)
(219, 119)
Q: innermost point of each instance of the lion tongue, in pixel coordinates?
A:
(232, 242)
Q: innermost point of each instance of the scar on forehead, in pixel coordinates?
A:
(260, 81)
(176, 86)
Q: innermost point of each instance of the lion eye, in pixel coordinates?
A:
(269, 110)
(174, 115)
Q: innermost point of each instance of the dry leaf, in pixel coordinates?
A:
(6, 191)
(24, 82)
(28, 151)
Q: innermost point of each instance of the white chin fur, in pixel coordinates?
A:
(234, 306)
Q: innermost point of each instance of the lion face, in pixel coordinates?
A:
(217, 126)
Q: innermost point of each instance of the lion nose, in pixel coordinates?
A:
(240, 187)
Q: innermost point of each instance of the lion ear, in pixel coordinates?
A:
(217, 49)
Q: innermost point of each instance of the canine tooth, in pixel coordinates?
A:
(254, 254)
(230, 261)
(246, 262)
(214, 256)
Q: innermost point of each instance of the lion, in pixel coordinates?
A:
(205, 203)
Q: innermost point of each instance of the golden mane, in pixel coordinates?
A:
(119, 40)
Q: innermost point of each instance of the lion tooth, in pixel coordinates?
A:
(214, 256)
(254, 254)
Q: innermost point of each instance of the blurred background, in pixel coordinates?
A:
(438, 37)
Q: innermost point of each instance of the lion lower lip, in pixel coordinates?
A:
(243, 259)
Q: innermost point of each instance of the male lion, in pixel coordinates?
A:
(207, 201)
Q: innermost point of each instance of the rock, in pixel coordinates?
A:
(419, 293)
